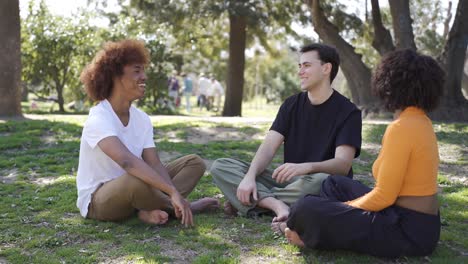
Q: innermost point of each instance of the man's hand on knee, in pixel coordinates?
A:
(287, 171)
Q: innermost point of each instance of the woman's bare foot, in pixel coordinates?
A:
(204, 204)
(293, 237)
(278, 227)
(229, 209)
(154, 217)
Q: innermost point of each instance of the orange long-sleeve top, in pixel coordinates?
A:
(407, 164)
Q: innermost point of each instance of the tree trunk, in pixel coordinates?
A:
(402, 24)
(10, 59)
(454, 105)
(24, 92)
(465, 83)
(60, 99)
(383, 41)
(356, 72)
(236, 65)
(59, 88)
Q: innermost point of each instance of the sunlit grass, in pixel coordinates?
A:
(39, 222)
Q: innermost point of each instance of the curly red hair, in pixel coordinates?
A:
(108, 63)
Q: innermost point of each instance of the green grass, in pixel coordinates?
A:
(39, 222)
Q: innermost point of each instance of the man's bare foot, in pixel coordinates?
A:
(278, 227)
(279, 207)
(204, 204)
(293, 237)
(229, 209)
(282, 214)
(154, 217)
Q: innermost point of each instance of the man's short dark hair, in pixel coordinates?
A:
(405, 78)
(327, 54)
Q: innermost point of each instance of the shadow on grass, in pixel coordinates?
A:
(373, 133)
(38, 148)
(203, 132)
(41, 224)
(456, 134)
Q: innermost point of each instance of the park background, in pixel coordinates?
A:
(251, 48)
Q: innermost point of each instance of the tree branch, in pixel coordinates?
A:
(447, 21)
(453, 56)
(356, 72)
(402, 24)
(383, 41)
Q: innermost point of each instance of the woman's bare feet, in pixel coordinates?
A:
(154, 217)
(278, 227)
(204, 204)
(229, 209)
(293, 237)
(281, 216)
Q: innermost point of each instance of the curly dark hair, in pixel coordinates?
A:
(405, 78)
(108, 63)
(327, 54)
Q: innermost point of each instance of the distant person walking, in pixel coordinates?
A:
(188, 90)
(173, 85)
(204, 85)
(218, 93)
(210, 94)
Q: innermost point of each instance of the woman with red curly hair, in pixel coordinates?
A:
(119, 171)
(400, 215)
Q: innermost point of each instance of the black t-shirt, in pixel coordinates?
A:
(312, 132)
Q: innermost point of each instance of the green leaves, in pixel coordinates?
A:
(54, 51)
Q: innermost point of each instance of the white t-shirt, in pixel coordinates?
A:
(204, 85)
(218, 89)
(95, 167)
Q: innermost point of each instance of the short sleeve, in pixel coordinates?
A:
(350, 132)
(281, 123)
(149, 141)
(96, 129)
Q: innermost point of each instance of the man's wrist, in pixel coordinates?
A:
(250, 176)
(171, 191)
(311, 168)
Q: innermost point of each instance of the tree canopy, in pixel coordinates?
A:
(250, 44)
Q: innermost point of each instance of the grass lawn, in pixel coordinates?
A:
(39, 222)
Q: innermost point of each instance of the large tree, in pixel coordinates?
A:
(357, 72)
(248, 20)
(236, 65)
(10, 59)
(55, 50)
(454, 105)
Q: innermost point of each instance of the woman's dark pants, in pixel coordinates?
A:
(325, 222)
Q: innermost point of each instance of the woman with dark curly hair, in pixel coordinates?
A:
(400, 215)
(119, 171)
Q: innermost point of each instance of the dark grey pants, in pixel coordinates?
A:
(325, 222)
(228, 173)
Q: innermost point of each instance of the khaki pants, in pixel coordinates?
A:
(120, 198)
(228, 173)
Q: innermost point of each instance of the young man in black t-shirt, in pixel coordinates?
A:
(321, 132)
